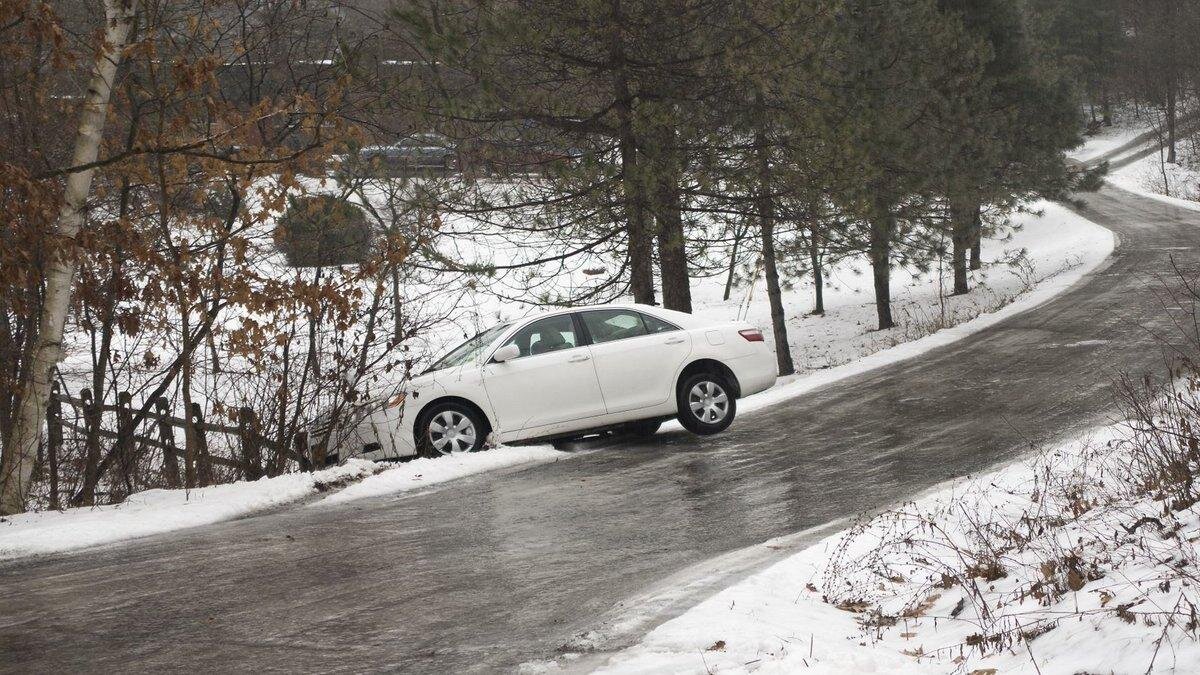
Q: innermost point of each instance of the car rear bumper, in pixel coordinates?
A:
(755, 372)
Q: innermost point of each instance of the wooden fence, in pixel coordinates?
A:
(156, 429)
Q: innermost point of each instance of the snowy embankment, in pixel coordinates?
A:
(158, 511)
(1151, 176)
(1176, 184)
(1059, 564)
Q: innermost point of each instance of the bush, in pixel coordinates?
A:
(323, 231)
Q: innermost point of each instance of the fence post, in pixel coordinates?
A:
(166, 434)
(203, 465)
(303, 452)
(125, 439)
(54, 440)
(251, 452)
(91, 422)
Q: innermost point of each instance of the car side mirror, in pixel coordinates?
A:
(506, 353)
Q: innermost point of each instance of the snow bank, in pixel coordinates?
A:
(426, 471)
(1059, 549)
(1175, 184)
(1151, 177)
(158, 511)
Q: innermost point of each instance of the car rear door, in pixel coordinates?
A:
(553, 381)
(636, 355)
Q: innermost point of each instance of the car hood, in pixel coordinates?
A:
(427, 379)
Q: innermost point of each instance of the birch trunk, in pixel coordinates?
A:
(20, 448)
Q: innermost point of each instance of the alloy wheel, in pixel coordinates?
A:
(451, 431)
(709, 402)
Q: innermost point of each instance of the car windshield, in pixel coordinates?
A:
(469, 350)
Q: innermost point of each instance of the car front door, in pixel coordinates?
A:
(553, 380)
(636, 355)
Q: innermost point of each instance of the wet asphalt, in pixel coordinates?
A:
(486, 573)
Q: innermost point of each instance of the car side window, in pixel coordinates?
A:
(657, 325)
(547, 335)
(607, 325)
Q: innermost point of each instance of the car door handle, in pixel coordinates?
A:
(675, 340)
(578, 358)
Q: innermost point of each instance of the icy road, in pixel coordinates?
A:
(525, 565)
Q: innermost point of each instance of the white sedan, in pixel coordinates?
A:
(566, 374)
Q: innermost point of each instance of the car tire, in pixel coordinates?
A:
(642, 428)
(706, 403)
(450, 427)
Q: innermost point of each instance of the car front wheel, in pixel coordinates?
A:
(450, 427)
(706, 403)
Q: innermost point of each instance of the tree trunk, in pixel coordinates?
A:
(397, 314)
(738, 233)
(1172, 44)
(783, 350)
(1171, 140)
(766, 214)
(977, 238)
(640, 240)
(668, 210)
(814, 259)
(961, 216)
(20, 448)
(882, 225)
(641, 263)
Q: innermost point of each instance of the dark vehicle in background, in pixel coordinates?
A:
(419, 152)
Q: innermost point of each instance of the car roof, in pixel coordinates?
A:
(682, 319)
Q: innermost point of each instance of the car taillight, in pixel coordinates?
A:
(751, 334)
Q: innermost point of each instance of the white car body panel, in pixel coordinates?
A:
(638, 373)
(572, 389)
(542, 389)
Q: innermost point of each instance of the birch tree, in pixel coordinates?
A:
(20, 448)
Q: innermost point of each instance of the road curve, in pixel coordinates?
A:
(489, 572)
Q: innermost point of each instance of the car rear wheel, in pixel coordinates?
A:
(451, 427)
(706, 403)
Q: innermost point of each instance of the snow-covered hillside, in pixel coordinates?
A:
(1152, 175)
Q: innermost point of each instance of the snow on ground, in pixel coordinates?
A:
(158, 511)
(1151, 176)
(1177, 184)
(1050, 248)
(1061, 548)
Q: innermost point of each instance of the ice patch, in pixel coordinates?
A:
(427, 471)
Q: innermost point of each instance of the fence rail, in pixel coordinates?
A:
(156, 429)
